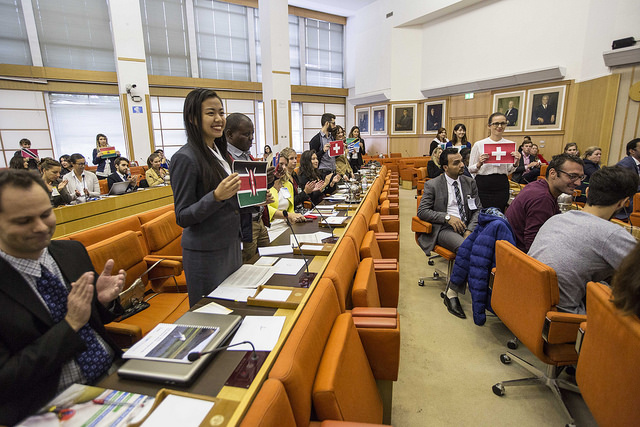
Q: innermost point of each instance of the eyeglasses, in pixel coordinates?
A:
(574, 176)
(499, 124)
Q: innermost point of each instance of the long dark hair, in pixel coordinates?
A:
(211, 169)
(351, 132)
(306, 168)
(454, 137)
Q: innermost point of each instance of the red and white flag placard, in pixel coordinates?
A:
(336, 148)
(500, 152)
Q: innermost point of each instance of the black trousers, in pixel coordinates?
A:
(493, 190)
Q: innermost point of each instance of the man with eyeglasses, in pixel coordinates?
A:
(492, 179)
(583, 246)
(537, 202)
(82, 184)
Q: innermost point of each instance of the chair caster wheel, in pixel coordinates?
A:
(442, 295)
(512, 344)
(505, 359)
(436, 275)
(430, 262)
(498, 389)
(420, 282)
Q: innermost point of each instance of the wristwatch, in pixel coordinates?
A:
(447, 218)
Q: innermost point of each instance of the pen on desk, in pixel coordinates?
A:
(115, 402)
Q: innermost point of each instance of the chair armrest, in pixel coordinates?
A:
(335, 423)
(388, 287)
(374, 312)
(387, 235)
(389, 221)
(420, 226)
(389, 218)
(390, 249)
(167, 257)
(561, 328)
(385, 264)
(582, 330)
(376, 322)
(381, 345)
(124, 334)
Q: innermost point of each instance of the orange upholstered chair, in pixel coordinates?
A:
(125, 249)
(102, 232)
(147, 216)
(608, 370)
(527, 306)
(419, 226)
(270, 408)
(104, 186)
(163, 237)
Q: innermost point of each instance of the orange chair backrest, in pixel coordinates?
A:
(163, 235)
(522, 304)
(357, 230)
(396, 155)
(341, 270)
(297, 363)
(636, 202)
(104, 186)
(608, 363)
(369, 246)
(543, 169)
(103, 232)
(365, 287)
(367, 209)
(345, 389)
(375, 223)
(270, 408)
(147, 216)
(125, 250)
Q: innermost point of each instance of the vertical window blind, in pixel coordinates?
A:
(14, 44)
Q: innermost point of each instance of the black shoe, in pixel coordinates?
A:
(454, 307)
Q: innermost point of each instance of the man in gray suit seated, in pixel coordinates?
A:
(451, 204)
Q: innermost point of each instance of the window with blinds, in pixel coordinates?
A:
(324, 59)
(222, 37)
(294, 48)
(75, 34)
(14, 44)
(164, 28)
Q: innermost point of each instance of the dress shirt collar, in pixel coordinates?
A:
(450, 181)
(237, 153)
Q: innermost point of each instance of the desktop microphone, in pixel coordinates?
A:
(307, 277)
(332, 239)
(192, 357)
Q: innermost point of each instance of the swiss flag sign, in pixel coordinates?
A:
(336, 148)
(500, 152)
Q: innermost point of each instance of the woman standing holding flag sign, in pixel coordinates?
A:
(104, 156)
(356, 149)
(204, 192)
(491, 161)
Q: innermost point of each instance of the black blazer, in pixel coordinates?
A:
(32, 348)
(115, 177)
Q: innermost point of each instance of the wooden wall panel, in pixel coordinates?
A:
(626, 123)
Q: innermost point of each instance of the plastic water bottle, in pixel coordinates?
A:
(364, 182)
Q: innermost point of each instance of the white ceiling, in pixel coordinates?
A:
(336, 7)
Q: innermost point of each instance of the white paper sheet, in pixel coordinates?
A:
(275, 250)
(288, 266)
(248, 276)
(309, 238)
(335, 220)
(278, 226)
(232, 294)
(179, 410)
(274, 295)
(214, 308)
(266, 260)
(262, 331)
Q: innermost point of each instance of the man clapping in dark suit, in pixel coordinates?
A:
(451, 204)
(122, 174)
(54, 305)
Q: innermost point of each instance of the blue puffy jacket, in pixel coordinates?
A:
(476, 258)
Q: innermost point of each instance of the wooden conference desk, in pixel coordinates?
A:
(74, 218)
(211, 380)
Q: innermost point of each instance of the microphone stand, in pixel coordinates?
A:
(332, 239)
(307, 277)
(195, 355)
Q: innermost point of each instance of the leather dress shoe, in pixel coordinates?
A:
(454, 307)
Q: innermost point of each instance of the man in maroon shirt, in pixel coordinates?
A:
(537, 202)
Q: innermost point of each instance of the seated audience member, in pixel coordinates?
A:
(309, 172)
(343, 167)
(572, 148)
(439, 141)
(58, 191)
(105, 165)
(459, 138)
(65, 165)
(282, 193)
(26, 144)
(583, 246)
(626, 284)
(122, 174)
(537, 201)
(451, 204)
(312, 190)
(54, 304)
(528, 168)
(268, 155)
(433, 166)
(465, 152)
(156, 175)
(164, 163)
(591, 160)
(82, 184)
(19, 163)
(535, 151)
(631, 162)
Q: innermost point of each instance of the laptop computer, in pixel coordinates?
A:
(182, 373)
(119, 188)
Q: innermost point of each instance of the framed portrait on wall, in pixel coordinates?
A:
(403, 118)
(545, 108)
(511, 104)
(362, 120)
(379, 114)
(434, 116)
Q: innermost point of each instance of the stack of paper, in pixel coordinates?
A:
(310, 238)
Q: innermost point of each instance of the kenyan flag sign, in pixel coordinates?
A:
(253, 182)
